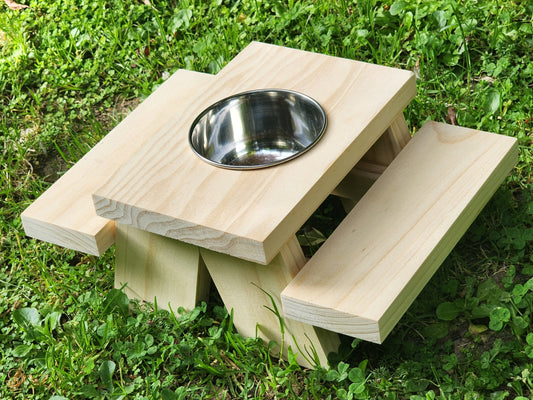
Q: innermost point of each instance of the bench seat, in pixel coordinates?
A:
(369, 271)
(64, 214)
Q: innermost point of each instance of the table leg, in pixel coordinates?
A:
(389, 145)
(373, 163)
(157, 267)
(253, 292)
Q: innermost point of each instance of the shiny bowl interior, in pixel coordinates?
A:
(257, 129)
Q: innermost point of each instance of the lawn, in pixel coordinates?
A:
(70, 70)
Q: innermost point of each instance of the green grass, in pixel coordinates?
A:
(70, 70)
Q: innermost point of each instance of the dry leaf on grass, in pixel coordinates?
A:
(15, 6)
(452, 116)
(149, 3)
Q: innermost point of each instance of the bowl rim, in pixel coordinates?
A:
(308, 98)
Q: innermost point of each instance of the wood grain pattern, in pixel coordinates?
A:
(365, 276)
(249, 289)
(155, 268)
(166, 189)
(64, 214)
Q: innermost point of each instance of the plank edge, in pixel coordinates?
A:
(85, 242)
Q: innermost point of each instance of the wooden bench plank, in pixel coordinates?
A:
(64, 214)
(368, 272)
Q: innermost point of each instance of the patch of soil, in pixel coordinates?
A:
(49, 166)
(111, 116)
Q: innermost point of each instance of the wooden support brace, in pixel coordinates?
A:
(157, 268)
(373, 163)
(390, 144)
(253, 290)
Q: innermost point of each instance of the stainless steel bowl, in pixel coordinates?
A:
(257, 129)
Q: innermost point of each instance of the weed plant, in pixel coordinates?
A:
(71, 69)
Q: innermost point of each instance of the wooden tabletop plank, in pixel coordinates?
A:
(165, 189)
(64, 214)
(368, 272)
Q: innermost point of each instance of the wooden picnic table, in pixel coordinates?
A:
(178, 222)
